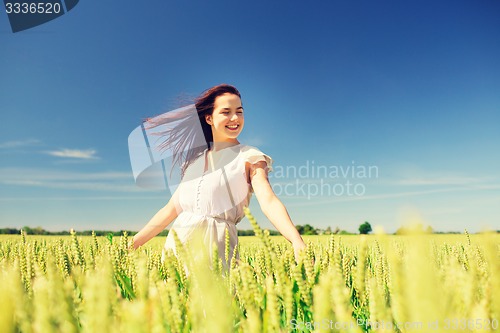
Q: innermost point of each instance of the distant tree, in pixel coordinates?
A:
(306, 230)
(39, 231)
(245, 232)
(10, 231)
(365, 228)
(252, 233)
(164, 232)
(310, 230)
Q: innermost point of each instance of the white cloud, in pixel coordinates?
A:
(444, 180)
(79, 198)
(92, 186)
(74, 153)
(21, 173)
(59, 179)
(19, 143)
(338, 199)
(398, 192)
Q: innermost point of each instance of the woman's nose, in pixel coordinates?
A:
(234, 117)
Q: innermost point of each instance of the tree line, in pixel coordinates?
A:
(41, 231)
(307, 229)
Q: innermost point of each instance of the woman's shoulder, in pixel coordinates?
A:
(253, 154)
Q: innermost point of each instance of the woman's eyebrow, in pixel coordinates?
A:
(230, 108)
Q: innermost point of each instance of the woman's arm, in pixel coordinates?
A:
(158, 222)
(273, 208)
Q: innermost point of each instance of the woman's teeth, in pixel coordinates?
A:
(233, 127)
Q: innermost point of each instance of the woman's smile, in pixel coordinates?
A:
(227, 119)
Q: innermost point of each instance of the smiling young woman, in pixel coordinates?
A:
(218, 182)
(227, 119)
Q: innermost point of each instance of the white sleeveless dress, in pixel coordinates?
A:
(212, 197)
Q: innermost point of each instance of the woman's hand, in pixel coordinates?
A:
(158, 222)
(130, 245)
(298, 247)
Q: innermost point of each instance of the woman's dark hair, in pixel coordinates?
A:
(205, 106)
(181, 136)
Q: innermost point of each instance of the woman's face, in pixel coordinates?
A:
(227, 119)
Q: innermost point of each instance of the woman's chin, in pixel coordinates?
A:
(228, 138)
(232, 134)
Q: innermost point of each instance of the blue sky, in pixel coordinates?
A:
(410, 88)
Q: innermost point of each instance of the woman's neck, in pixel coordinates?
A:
(218, 145)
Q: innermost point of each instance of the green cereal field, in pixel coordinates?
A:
(375, 283)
